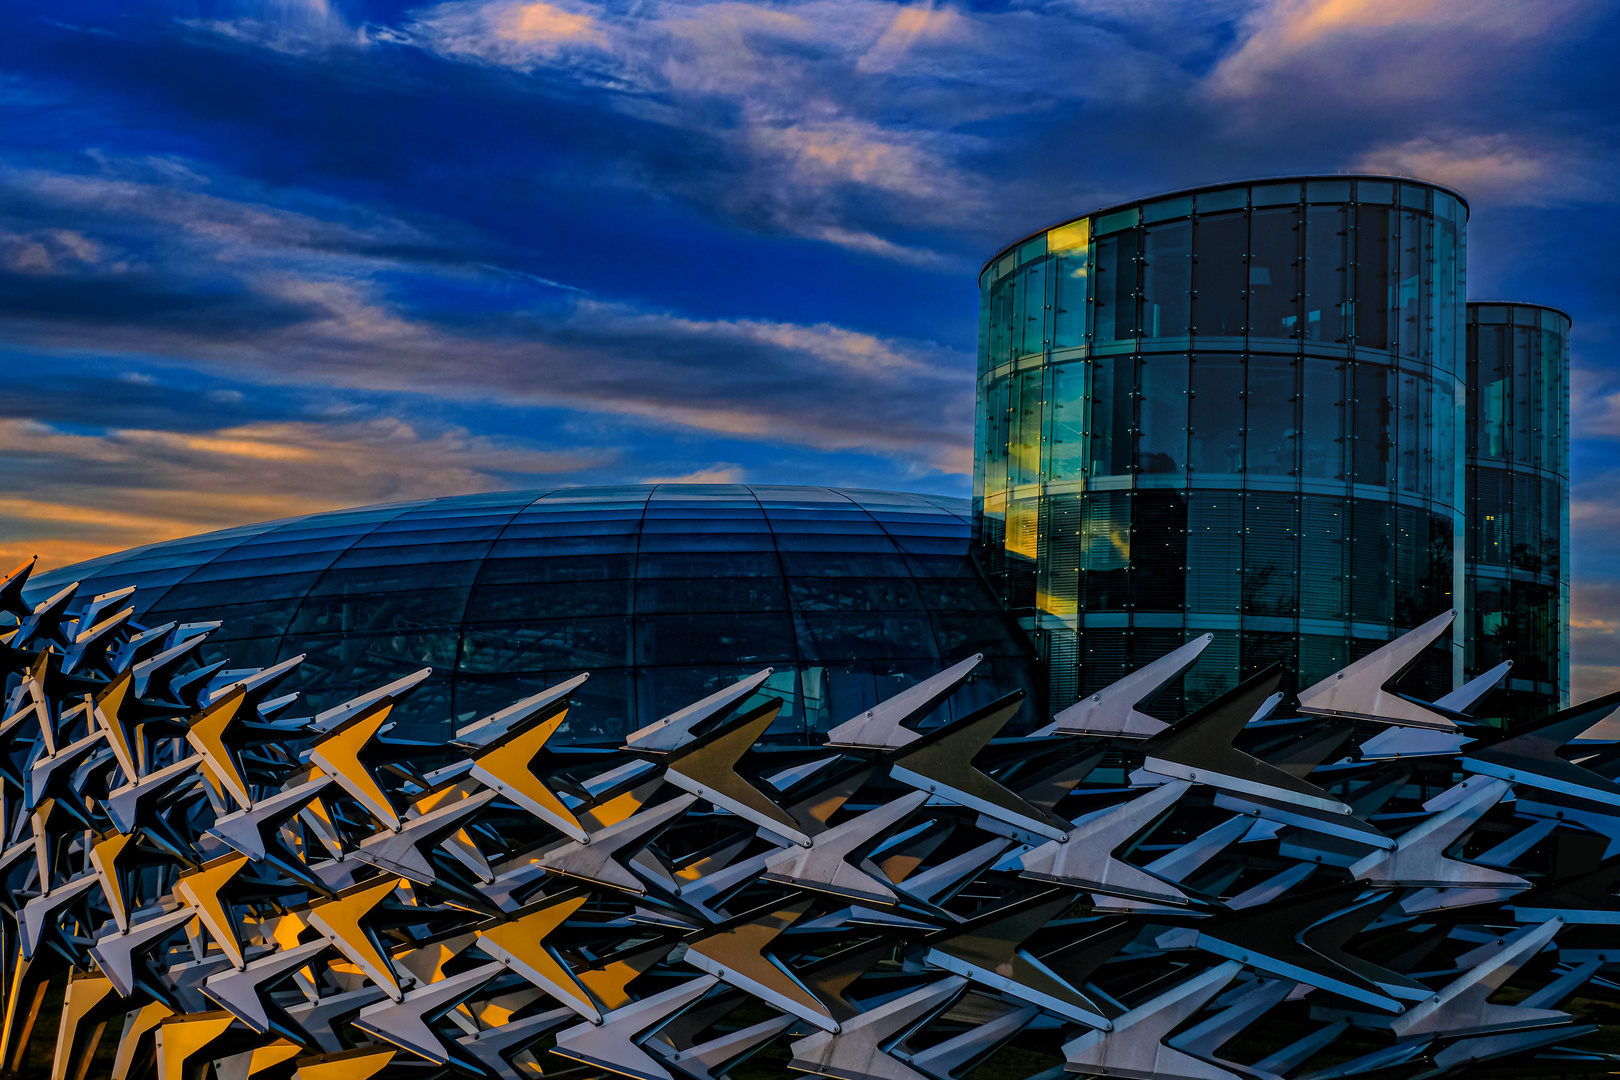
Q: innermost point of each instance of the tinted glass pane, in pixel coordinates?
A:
(202, 597)
(1071, 282)
(548, 645)
(404, 577)
(864, 636)
(265, 619)
(1326, 246)
(1162, 442)
(959, 594)
(1167, 280)
(1216, 413)
(1370, 449)
(387, 611)
(564, 599)
(1372, 300)
(713, 639)
(368, 660)
(1069, 400)
(1113, 414)
(960, 635)
(837, 564)
(670, 564)
(674, 595)
(1220, 275)
(563, 568)
(1274, 274)
(1272, 432)
(1323, 411)
(1116, 287)
(854, 594)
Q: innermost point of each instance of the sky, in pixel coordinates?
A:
(269, 257)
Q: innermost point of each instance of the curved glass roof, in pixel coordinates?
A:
(663, 592)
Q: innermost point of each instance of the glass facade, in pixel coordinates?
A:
(1236, 410)
(663, 592)
(1518, 503)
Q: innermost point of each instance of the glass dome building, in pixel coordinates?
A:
(663, 592)
(1237, 409)
(1518, 502)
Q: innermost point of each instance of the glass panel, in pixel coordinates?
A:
(1448, 313)
(1166, 209)
(1322, 552)
(854, 594)
(1220, 275)
(546, 645)
(565, 599)
(1162, 442)
(1375, 191)
(1274, 274)
(1274, 194)
(957, 594)
(1121, 219)
(1159, 551)
(1105, 550)
(694, 564)
(865, 636)
(837, 564)
(555, 568)
(1493, 391)
(268, 618)
(1326, 233)
(198, 598)
(1272, 432)
(1067, 449)
(1371, 541)
(1328, 191)
(1411, 456)
(1071, 237)
(713, 639)
(1270, 533)
(1414, 267)
(1032, 302)
(1116, 287)
(1226, 199)
(1070, 283)
(1323, 410)
(1032, 249)
(1370, 448)
(1372, 301)
(385, 611)
(1214, 551)
(1024, 438)
(1112, 414)
(1524, 435)
(997, 417)
(1215, 414)
(1445, 440)
(1167, 280)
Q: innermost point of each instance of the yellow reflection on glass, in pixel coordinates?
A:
(1076, 234)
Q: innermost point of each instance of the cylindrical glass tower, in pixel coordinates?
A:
(1518, 503)
(1236, 410)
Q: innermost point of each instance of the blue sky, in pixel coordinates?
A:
(263, 258)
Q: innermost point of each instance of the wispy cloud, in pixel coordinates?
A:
(712, 474)
(287, 297)
(1506, 168)
(1402, 51)
(120, 488)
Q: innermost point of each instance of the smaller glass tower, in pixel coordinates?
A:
(1518, 503)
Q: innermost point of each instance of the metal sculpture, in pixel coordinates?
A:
(1376, 886)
